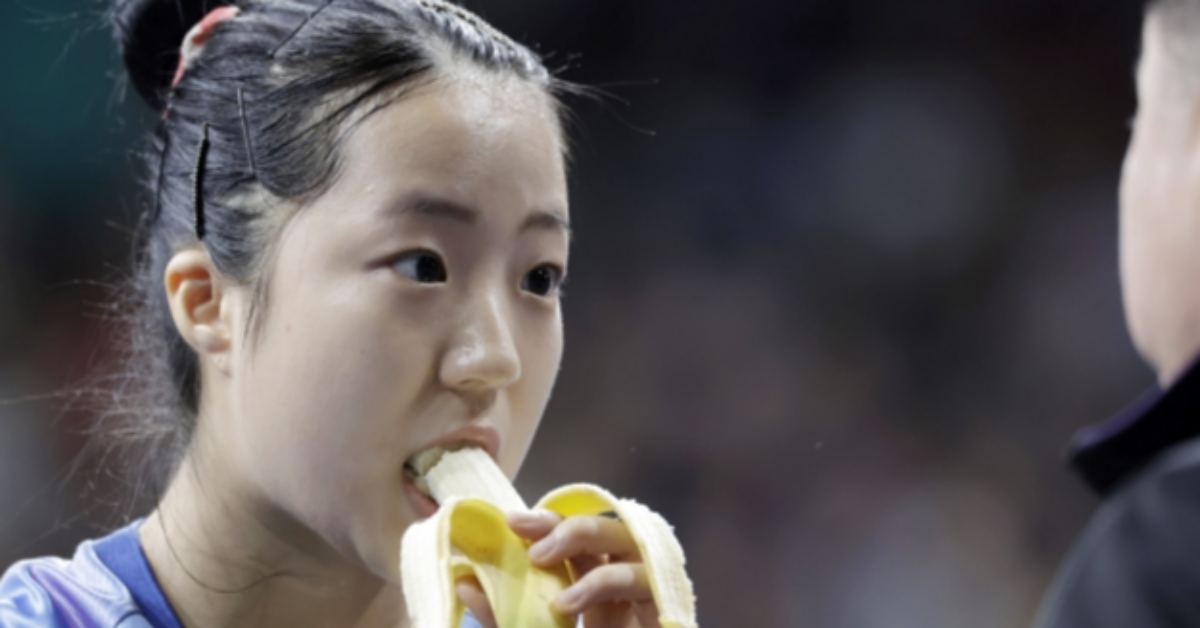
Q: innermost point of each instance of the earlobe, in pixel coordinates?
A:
(197, 294)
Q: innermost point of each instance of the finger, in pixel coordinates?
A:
(608, 583)
(583, 564)
(624, 614)
(475, 600)
(583, 535)
(646, 613)
(533, 524)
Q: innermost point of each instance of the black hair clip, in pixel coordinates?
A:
(198, 180)
(246, 133)
(299, 28)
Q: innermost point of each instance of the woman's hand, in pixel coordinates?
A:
(611, 587)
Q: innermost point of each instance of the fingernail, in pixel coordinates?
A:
(542, 549)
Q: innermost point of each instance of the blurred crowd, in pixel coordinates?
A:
(844, 284)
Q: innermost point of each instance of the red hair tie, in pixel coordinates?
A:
(194, 41)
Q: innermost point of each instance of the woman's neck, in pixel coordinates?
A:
(224, 560)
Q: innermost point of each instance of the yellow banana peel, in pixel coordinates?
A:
(469, 535)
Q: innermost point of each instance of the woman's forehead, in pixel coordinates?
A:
(446, 135)
(459, 147)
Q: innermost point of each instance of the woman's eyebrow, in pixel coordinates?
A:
(547, 220)
(425, 205)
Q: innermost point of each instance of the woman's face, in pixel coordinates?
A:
(413, 304)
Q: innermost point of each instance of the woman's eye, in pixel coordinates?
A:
(421, 267)
(544, 281)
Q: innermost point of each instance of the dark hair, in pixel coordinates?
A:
(251, 131)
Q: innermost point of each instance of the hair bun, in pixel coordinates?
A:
(149, 34)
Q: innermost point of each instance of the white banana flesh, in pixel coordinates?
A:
(469, 535)
(468, 473)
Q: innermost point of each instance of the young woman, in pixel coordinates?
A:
(356, 229)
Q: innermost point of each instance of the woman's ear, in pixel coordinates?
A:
(200, 301)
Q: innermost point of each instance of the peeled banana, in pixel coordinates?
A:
(469, 535)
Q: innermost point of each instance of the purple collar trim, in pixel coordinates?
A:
(1109, 452)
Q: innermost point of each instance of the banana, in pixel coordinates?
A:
(469, 535)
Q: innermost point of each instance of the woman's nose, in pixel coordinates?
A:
(482, 354)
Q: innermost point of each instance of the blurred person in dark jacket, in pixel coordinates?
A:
(1137, 564)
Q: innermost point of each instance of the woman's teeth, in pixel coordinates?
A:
(418, 466)
(422, 462)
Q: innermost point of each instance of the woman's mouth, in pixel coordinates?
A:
(415, 484)
(419, 464)
(424, 505)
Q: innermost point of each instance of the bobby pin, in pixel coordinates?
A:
(246, 133)
(197, 181)
(299, 28)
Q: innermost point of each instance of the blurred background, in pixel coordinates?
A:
(845, 283)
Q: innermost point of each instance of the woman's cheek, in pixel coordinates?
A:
(543, 341)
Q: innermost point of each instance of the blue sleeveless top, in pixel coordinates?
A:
(107, 584)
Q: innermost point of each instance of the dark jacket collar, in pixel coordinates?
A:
(1107, 453)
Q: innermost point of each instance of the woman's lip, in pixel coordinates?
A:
(485, 436)
(424, 505)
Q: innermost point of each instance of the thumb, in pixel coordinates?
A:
(473, 598)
